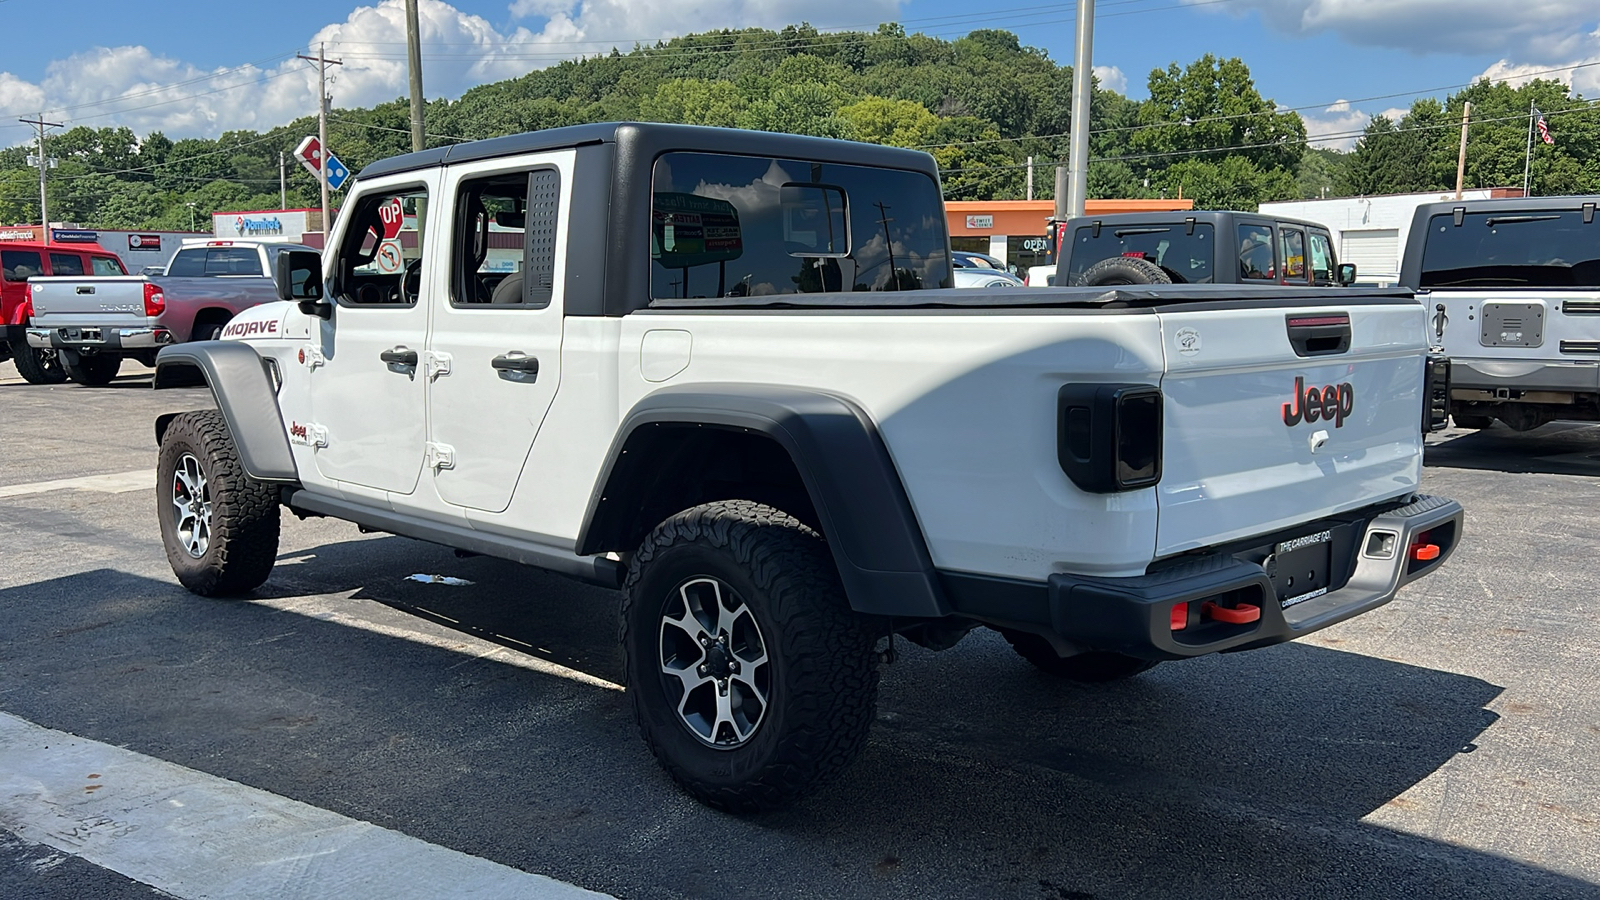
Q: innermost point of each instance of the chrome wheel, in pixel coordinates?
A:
(191, 506)
(714, 662)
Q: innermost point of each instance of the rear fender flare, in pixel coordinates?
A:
(852, 482)
(244, 393)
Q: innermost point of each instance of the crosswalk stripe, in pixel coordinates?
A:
(197, 836)
(111, 483)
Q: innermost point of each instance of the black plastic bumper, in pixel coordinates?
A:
(1136, 615)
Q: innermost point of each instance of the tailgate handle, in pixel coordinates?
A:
(85, 288)
(1319, 335)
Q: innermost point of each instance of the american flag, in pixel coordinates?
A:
(1543, 126)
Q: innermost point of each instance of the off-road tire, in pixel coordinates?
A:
(824, 678)
(38, 366)
(1466, 420)
(1123, 270)
(244, 522)
(94, 371)
(1094, 666)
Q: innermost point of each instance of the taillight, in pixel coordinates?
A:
(1436, 393)
(1108, 436)
(155, 302)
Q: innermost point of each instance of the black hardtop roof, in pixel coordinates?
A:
(1509, 204)
(655, 138)
(1220, 218)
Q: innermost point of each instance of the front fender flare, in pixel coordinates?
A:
(243, 389)
(861, 504)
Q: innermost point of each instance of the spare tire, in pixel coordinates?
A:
(1123, 270)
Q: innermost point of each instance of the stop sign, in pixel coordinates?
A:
(393, 216)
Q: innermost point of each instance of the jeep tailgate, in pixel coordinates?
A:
(112, 300)
(1249, 446)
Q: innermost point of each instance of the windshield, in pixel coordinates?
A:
(1512, 250)
(1184, 252)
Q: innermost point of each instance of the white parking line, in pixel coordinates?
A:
(112, 483)
(195, 835)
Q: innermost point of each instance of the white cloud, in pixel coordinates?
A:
(460, 50)
(608, 22)
(1536, 29)
(1339, 119)
(1111, 79)
(1585, 80)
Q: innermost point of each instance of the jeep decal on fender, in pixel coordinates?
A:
(1328, 403)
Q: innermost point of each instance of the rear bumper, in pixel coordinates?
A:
(1136, 615)
(1570, 376)
(143, 337)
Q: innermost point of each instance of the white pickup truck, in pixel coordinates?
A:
(92, 323)
(1512, 289)
(723, 372)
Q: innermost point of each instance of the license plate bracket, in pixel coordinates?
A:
(1300, 569)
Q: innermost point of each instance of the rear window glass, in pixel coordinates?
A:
(1184, 253)
(1512, 250)
(20, 265)
(105, 265)
(743, 226)
(66, 264)
(202, 261)
(1255, 253)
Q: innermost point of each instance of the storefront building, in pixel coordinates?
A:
(1015, 230)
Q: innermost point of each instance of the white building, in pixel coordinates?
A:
(1371, 231)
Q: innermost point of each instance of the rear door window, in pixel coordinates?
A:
(740, 226)
(1185, 251)
(66, 264)
(1531, 249)
(1255, 253)
(106, 265)
(20, 265)
(1321, 247)
(1293, 253)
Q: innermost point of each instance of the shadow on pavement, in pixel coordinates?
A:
(1562, 448)
(1241, 776)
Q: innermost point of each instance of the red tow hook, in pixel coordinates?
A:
(1424, 552)
(1243, 614)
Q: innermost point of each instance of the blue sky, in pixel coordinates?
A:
(190, 67)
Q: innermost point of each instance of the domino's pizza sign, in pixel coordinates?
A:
(255, 227)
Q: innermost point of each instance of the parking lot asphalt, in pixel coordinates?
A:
(1446, 745)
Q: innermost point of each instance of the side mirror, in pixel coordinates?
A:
(298, 277)
(1347, 274)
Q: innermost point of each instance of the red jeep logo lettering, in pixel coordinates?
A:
(297, 430)
(1329, 403)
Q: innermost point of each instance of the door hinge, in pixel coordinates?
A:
(436, 364)
(439, 456)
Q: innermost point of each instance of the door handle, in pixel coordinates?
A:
(524, 365)
(399, 356)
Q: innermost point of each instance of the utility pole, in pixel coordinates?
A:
(1082, 93)
(414, 58)
(323, 62)
(44, 166)
(1461, 156)
(1030, 178)
(283, 183)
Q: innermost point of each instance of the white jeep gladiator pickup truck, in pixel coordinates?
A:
(1512, 290)
(724, 372)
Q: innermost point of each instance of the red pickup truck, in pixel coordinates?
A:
(21, 260)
